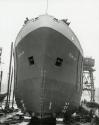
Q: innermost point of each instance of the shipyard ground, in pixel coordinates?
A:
(15, 117)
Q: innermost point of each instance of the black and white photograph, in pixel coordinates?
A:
(49, 62)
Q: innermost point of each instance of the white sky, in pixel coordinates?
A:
(83, 14)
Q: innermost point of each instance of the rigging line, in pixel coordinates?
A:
(46, 7)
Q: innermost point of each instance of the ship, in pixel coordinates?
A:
(48, 67)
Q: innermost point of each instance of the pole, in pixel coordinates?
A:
(14, 83)
(1, 74)
(10, 85)
(0, 68)
(8, 88)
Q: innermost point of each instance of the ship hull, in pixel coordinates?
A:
(43, 85)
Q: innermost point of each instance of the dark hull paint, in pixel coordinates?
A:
(44, 87)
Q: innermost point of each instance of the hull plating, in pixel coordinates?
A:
(44, 87)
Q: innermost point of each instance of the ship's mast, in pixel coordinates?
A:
(46, 11)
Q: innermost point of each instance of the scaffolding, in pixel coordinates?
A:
(8, 103)
(88, 78)
(10, 85)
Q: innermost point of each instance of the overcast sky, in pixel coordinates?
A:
(83, 15)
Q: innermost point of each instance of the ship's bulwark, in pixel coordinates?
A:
(43, 85)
